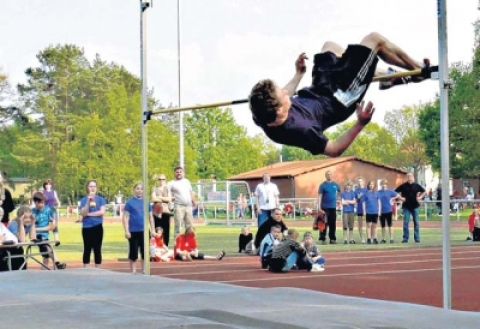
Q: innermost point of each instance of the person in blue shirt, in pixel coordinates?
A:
(134, 226)
(371, 208)
(92, 209)
(44, 223)
(359, 192)
(387, 197)
(348, 209)
(327, 202)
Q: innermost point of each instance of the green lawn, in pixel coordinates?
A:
(212, 239)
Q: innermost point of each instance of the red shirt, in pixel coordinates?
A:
(159, 242)
(185, 243)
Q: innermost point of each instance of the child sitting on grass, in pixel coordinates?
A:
(244, 238)
(158, 249)
(186, 247)
(313, 258)
(286, 253)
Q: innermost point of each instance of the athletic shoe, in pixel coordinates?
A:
(383, 241)
(352, 242)
(404, 241)
(57, 243)
(387, 84)
(60, 266)
(317, 268)
(363, 241)
(345, 241)
(469, 239)
(221, 255)
(375, 241)
(417, 241)
(392, 241)
(333, 242)
(369, 241)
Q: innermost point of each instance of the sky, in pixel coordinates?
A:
(226, 46)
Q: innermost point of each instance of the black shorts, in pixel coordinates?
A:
(199, 257)
(350, 74)
(371, 218)
(386, 219)
(44, 249)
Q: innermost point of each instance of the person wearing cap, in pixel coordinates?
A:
(387, 198)
(348, 209)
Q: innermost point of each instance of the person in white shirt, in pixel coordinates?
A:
(183, 200)
(267, 197)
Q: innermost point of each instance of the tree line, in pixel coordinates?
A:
(76, 119)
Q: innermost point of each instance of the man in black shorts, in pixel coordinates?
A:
(340, 79)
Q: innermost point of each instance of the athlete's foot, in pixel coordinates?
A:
(387, 84)
(425, 72)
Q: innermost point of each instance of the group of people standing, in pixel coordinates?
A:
(370, 205)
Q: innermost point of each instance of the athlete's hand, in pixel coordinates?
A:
(300, 65)
(365, 113)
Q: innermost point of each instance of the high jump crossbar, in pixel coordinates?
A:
(430, 72)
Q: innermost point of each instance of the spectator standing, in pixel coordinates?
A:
(348, 211)
(359, 192)
(410, 193)
(161, 198)
(327, 201)
(92, 209)
(267, 197)
(52, 201)
(6, 202)
(371, 208)
(183, 200)
(387, 197)
(134, 226)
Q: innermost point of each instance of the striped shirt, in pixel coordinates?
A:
(286, 247)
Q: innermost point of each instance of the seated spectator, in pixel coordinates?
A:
(44, 223)
(474, 225)
(244, 238)
(6, 237)
(186, 247)
(266, 246)
(158, 249)
(286, 254)
(20, 226)
(313, 258)
(264, 229)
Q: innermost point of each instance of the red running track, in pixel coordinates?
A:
(404, 275)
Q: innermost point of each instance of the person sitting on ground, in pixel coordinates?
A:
(244, 238)
(266, 246)
(158, 249)
(474, 224)
(21, 226)
(186, 247)
(340, 79)
(264, 229)
(313, 258)
(286, 254)
(44, 223)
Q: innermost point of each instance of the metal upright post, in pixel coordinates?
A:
(144, 5)
(444, 85)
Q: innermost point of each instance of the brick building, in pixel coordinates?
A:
(300, 179)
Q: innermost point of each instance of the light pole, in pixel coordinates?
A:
(144, 5)
(180, 114)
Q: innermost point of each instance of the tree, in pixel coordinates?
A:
(375, 143)
(404, 126)
(464, 119)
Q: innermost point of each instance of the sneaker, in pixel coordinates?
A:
(387, 84)
(317, 268)
(417, 241)
(60, 266)
(352, 242)
(375, 241)
(469, 239)
(57, 243)
(383, 241)
(363, 241)
(404, 241)
(221, 255)
(369, 241)
(345, 241)
(333, 242)
(392, 241)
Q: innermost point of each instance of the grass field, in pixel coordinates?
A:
(212, 239)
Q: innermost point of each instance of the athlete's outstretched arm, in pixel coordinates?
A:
(337, 147)
(300, 69)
